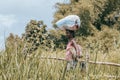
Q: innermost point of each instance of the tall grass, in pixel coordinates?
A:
(13, 66)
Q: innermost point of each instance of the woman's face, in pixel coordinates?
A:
(76, 27)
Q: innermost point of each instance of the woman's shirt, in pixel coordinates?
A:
(73, 50)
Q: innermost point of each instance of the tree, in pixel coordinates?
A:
(106, 13)
(93, 13)
(13, 42)
(36, 36)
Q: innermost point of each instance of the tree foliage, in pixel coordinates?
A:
(93, 13)
(108, 12)
(13, 42)
(36, 36)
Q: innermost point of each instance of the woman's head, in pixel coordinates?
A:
(70, 33)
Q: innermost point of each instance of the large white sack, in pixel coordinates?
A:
(67, 22)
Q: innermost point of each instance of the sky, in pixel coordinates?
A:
(15, 14)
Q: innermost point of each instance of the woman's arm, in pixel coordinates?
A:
(74, 44)
(77, 48)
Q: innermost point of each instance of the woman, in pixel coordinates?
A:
(73, 50)
(70, 24)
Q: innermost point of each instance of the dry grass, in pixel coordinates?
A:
(13, 66)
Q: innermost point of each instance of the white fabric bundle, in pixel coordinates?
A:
(68, 21)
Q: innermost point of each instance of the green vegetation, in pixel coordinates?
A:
(99, 36)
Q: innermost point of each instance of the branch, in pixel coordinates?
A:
(105, 63)
(92, 62)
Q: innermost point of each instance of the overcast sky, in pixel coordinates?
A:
(15, 14)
